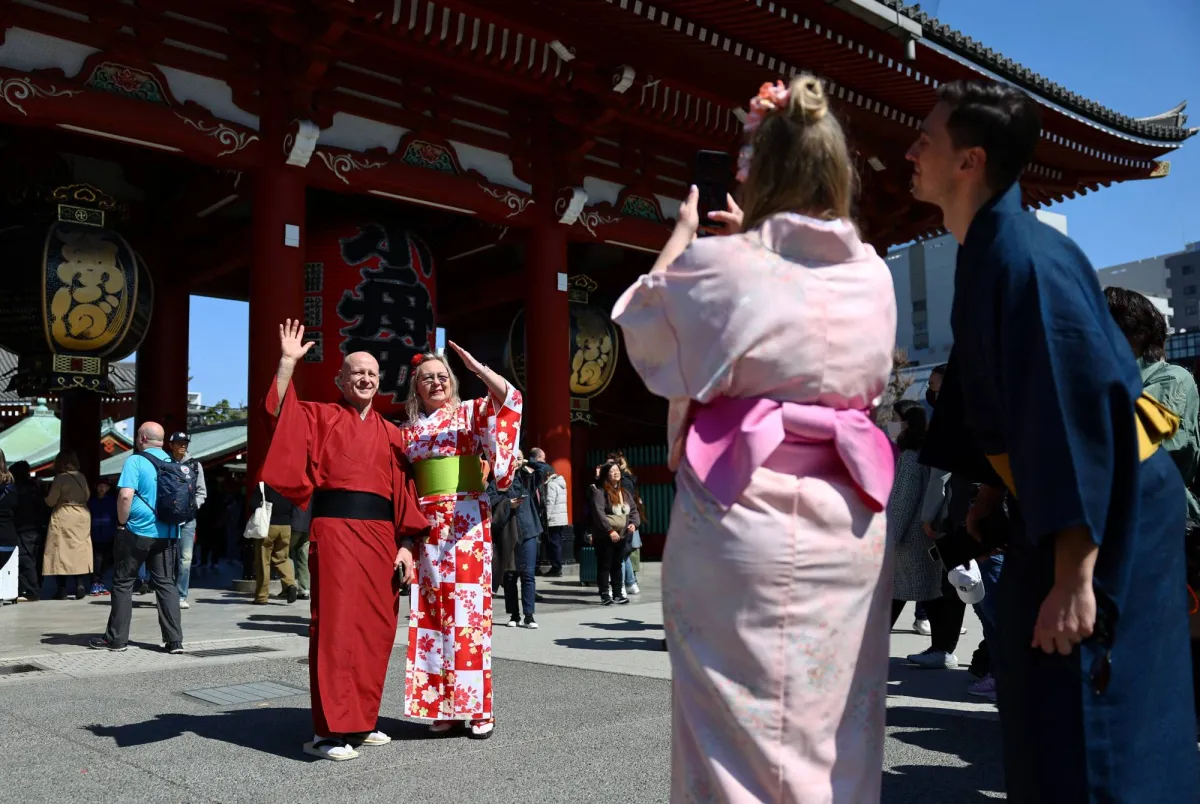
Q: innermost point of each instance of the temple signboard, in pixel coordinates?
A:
(368, 287)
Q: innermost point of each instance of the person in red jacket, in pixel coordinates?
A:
(344, 456)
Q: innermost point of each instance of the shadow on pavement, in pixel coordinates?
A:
(625, 625)
(975, 741)
(935, 685)
(230, 599)
(279, 731)
(81, 640)
(564, 596)
(612, 643)
(277, 623)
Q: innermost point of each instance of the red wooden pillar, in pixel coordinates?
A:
(547, 315)
(80, 414)
(547, 345)
(277, 252)
(162, 359)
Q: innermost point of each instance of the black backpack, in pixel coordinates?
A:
(177, 484)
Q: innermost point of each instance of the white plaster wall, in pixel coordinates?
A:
(600, 191)
(214, 95)
(496, 166)
(27, 50)
(356, 133)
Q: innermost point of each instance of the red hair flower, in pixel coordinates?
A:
(417, 358)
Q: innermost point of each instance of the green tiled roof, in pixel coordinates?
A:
(210, 443)
(36, 437)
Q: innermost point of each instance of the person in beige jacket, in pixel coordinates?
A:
(68, 555)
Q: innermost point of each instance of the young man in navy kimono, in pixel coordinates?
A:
(1093, 674)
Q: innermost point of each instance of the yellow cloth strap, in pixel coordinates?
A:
(1155, 424)
(449, 475)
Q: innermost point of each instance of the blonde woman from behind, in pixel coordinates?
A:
(771, 344)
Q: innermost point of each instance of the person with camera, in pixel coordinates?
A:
(771, 345)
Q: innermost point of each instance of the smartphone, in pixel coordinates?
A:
(714, 170)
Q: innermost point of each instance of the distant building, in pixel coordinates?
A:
(1183, 278)
(923, 277)
(1148, 277)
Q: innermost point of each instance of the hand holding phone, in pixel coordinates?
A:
(714, 169)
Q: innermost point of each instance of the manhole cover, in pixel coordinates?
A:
(205, 654)
(13, 669)
(245, 693)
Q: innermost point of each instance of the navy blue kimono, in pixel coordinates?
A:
(1041, 373)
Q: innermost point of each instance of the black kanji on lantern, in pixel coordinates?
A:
(389, 313)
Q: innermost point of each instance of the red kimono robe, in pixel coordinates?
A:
(355, 591)
(448, 675)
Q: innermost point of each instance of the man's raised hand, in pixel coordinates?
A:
(291, 341)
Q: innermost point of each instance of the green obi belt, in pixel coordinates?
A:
(449, 475)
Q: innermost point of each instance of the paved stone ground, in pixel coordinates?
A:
(582, 705)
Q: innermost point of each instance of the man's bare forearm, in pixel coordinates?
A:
(124, 504)
(283, 377)
(1075, 556)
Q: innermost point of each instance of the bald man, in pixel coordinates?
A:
(346, 457)
(141, 537)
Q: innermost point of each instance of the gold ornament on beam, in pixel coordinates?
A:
(594, 347)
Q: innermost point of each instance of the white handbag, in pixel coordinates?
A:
(260, 520)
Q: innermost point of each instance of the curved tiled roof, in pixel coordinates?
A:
(123, 376)
(214, 442)
(962, 45)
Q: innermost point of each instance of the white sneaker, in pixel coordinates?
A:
(183, 604)
(922, 627)
(633, 590)
(934, 660)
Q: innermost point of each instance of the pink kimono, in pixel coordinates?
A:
(772, 347)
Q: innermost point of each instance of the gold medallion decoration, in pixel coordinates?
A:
(594, 346)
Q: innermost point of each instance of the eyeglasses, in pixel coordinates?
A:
(430, 379)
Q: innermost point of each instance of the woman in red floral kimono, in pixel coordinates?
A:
(448, 676)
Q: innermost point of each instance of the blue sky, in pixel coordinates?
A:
(1137, 58)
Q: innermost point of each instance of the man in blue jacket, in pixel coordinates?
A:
(1043, 399)
(141, 537)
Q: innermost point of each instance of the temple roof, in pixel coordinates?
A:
(124, 378)
(1168, 126)
(36, 438)
(213, 443)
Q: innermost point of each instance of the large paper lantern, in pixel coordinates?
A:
(77, 297)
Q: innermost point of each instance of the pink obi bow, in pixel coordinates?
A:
(730, 438)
